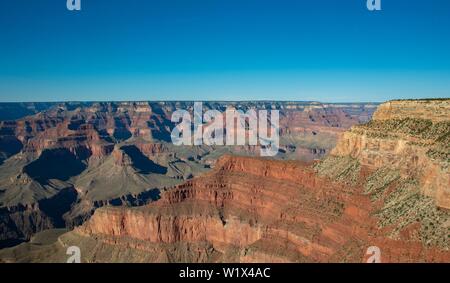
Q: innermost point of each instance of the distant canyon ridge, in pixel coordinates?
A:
(346, 177)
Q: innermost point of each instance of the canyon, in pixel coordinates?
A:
(377, 182)
(59, 162)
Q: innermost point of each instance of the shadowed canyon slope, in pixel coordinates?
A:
(87, 155)
(385, 184)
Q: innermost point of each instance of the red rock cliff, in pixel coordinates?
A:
(411, 136)
(263, 210)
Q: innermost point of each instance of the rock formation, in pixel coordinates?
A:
(411, 137)
(251, 210)
(89, 155)
(374, 190)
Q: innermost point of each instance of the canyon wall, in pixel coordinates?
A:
(246, 209)
(116, 153)
(409, 136)
(385, 184)
(254, 210)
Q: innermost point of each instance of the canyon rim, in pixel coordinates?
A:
(124, 194)
(224, 139)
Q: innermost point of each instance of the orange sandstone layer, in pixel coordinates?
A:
(257, 210)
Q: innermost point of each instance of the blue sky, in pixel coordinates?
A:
(327, 50)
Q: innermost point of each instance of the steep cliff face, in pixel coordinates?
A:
(385, 185)
(410, 136)
(404, 155)
(118, 152)
(77, 146)
(311, 132)
(246, 208)
(253, 210)
(435, 110)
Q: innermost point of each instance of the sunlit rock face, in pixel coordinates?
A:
(382, 185)
(257, 210)
(411, 136)
(116, 153)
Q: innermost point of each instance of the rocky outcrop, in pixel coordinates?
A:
(254, 210)
(411, 136)
(243, 203)
(311, 131)
(384, 185)
(118, 153)
(435, 110)
(403, 154)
